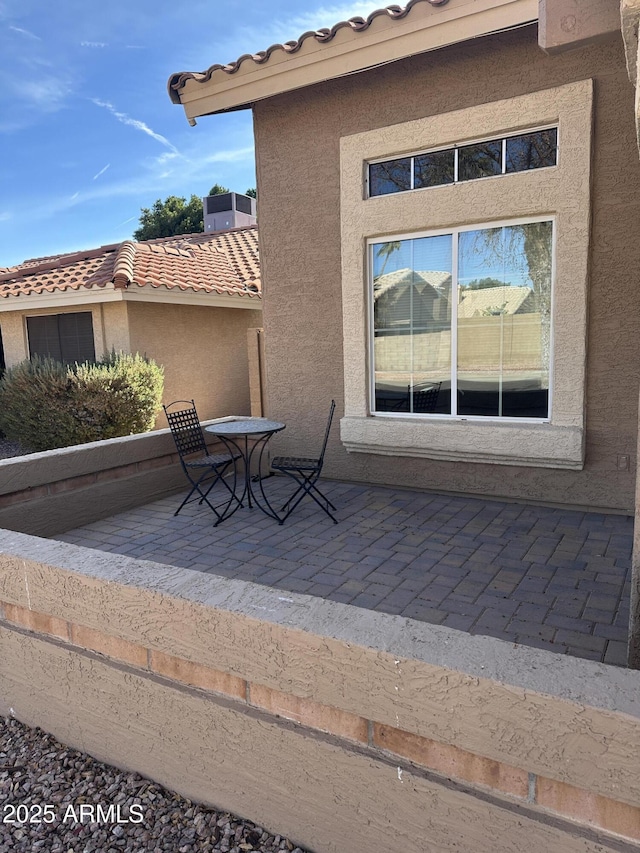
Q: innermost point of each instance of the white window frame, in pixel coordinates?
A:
(562, 193)
(455, 232)
(455, 148)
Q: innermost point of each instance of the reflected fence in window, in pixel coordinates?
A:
(467, 313)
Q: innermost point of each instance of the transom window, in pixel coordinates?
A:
(461, 322)
(64, 337)
(519, 153)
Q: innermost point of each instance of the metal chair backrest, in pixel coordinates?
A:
(426, 400)
(185, 428)
(328, 430)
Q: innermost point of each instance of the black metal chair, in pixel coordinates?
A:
(425, 400)
(305, 471)
(200, 467)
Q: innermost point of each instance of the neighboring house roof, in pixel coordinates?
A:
(387, 34)
(222, 263)
(498, 300)
(434, 278)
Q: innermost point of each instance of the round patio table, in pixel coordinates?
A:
(235, 435)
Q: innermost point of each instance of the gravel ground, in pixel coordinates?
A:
(44, 786)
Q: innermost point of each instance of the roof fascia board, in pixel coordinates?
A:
(63, 299)
(386, 40)
(176, 296)
(58, 299)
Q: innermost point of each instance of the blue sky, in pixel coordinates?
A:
(88, 135)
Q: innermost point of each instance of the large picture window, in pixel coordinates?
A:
(64, 337)
(462, 322)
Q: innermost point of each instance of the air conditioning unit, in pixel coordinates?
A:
(228, 210)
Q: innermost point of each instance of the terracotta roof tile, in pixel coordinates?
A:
(224, 262)
(326, 34)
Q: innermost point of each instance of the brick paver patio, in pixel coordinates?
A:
(551, 578)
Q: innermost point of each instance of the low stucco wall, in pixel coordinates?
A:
(56, 490)
(335, 725)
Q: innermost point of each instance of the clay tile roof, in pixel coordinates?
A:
(326, 34)
(225, 262)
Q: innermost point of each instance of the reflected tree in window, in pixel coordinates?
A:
(385, 251)
(393, 176)
(516, 352)
(480, 161)
(435, 169)
(532, 150)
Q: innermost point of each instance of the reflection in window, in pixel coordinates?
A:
(391, 177)
(431, 170)
(521, 153)
(480, 161)
(412, 321)
(532, 150)
(499, 305)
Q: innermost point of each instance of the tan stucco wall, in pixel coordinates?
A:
(203, 350)
(46, 493)
(313, 718)
(14, 338)
(114, 328)
(297, 143)
(561, 193)
(109, 327)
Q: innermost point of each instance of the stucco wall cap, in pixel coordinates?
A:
(580, 681)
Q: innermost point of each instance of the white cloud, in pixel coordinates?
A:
(101, 172)
(5, 216)
(194, 167)
(330, 15)
(288, 29)
(231, 156)
(93, 44)
(24, 33)
(191, 172)
(132, 122)
(46, 92)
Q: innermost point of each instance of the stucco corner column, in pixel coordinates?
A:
(630, 18)
(633, 659)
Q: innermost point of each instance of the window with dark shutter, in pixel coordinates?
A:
(64, 337)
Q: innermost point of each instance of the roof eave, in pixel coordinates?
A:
(63, 299)
(348, 51)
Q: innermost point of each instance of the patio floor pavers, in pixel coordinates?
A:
(551, 578)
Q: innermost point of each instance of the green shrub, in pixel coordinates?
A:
(45, 404)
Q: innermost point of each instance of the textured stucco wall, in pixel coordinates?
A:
(14, 337)
(297, 143)
(46, 493)
(561, 192)
(328, 723)
(115, 328)
(14, 327)
(203, 351)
